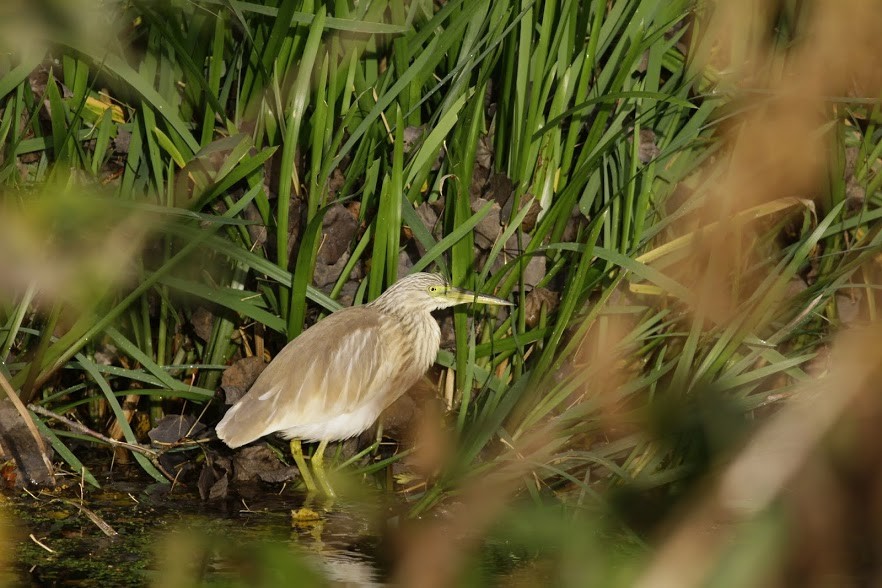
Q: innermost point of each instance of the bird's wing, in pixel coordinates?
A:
(329, 369)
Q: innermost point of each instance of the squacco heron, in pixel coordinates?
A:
(333, 381)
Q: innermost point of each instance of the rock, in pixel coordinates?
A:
(347, 294)
(258, 462)
(325, 274)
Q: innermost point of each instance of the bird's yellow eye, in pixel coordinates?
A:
(434, 289)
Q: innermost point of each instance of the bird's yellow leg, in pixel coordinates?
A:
(297, 453)
(318, 466)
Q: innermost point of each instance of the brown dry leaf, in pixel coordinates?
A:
(173, 427)
(339, 229)
(213, 482)
(536, 300)
(534, 272)
(202, 321)
(532, 216)
(484, 153)
(480, 175)
(239, 377)
(499, 188)
(488, 230)
(429, 216)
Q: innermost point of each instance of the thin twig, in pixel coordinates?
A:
(43, 545)
(93, 516)
(150, 454)
(81, 428)
(199, 418)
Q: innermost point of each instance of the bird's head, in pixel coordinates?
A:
(422, 292)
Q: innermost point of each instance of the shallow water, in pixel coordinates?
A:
(169, 537)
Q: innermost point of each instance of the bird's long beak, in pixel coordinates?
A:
(460, 296)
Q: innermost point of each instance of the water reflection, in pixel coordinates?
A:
(348, 568)
(172, 538)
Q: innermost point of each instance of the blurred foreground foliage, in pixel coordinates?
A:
(681, 197)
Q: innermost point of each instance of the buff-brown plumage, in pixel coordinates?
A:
(334, 380)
